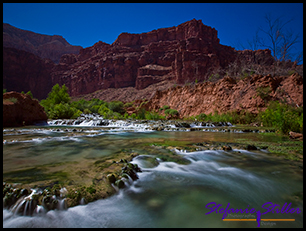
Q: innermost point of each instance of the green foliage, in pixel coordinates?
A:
(30, 94)
(128, 105)
(141, 114)
(234, 117)
(61, 111)
(57, 104)
(103, 110)
(201, 117)
(91, 106)
(283, 117)
(76, 114)
(116, 106)
(165, 107)
(87, 111)
(4, 90)
(153, 116)
(171, 112)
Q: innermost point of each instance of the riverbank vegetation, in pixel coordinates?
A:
(58, 105)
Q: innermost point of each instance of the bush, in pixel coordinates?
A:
(283, 117)
(76, 114)
(201, 117)
(57, 95)
(86, 111)
(103, 110)
(116, 106)
(141, 114)
(165, 107)
(57, 105)
(92, 105)
(30, 94)
(153, 116)
(61, 111)
(171, 112)
(128, 105)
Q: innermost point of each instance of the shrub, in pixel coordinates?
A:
(171, 112)
(76, 114)
(283, 117)
(58, 95)
(201, 117)
(61, 111)
(128, 105)
(30, 94)
(92, 105)
(116, 106)
(57, 105)
(103, 110)
(153, 116)
(95, 108)
(165, 107)
(87, 111)
(141, 114)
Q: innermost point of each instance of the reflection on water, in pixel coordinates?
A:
(166, 194)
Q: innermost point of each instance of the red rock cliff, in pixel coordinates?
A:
(183, 53)
(189, 52)
(24, 71)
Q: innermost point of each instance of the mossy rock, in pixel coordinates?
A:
(111, 178)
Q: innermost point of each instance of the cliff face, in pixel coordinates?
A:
(189, 52)
(24, 71)
(25, 111)
(184, 53)
(228, 94)
(44, 46)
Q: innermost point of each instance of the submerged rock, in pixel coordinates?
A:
(120, 183)
(227, 148)
(250, 147)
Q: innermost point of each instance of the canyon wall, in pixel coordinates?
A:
(228, 94)
(44, 46)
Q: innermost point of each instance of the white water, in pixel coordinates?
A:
(166, 195)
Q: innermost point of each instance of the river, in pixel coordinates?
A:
(165, 195)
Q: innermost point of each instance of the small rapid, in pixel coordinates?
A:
(167, 193)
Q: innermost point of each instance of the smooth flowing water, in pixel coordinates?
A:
(166, 195)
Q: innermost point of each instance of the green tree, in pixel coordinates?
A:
(57, 105)
(116, 106)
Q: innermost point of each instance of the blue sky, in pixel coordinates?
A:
(87, 23)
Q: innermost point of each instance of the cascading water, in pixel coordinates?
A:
(167, 194)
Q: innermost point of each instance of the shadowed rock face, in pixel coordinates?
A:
(24, 71)
(22, 110)
(44, 46)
